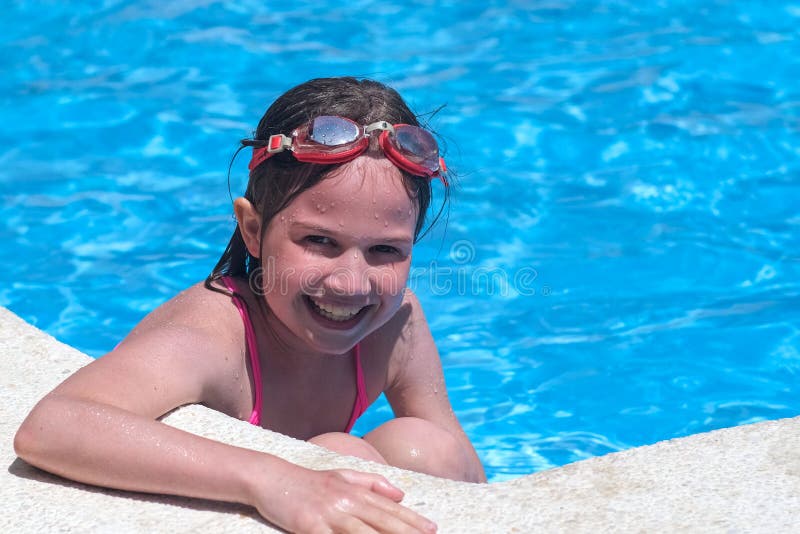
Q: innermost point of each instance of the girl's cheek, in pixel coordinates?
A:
(265, 281)
(309, 280)
(279, 277)
(393, 281)
(305, 274)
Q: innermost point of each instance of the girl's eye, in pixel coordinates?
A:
(386, 249)
(319, 240)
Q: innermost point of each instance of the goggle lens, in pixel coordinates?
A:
(333, 131)
(417, 145)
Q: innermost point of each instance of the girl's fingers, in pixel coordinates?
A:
(374, 482)
(387, 516)
(381, 510)
(355, 525)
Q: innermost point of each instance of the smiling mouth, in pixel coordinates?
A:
(335, 312)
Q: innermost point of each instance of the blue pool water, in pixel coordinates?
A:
(620, 264)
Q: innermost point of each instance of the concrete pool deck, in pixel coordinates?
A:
(743, 479)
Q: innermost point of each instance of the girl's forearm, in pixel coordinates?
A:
(107, 446)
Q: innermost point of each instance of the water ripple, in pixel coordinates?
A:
(638, 161)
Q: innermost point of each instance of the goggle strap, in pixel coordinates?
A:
(276, 143)
(279, 143)
(442, 173)
(260, 155)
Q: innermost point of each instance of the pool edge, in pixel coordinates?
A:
(744, 478)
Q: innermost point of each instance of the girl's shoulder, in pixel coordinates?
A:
(197, 309)
(198, 326)
(177, 354)
(408, 320)
(405, 336)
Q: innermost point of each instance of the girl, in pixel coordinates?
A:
(302, 324)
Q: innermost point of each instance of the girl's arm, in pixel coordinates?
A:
(99, 427)
(416, 386)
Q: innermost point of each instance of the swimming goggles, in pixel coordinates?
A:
(330, 139)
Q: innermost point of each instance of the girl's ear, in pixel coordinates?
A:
(249, 221)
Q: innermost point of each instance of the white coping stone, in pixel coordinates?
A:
(743, 479)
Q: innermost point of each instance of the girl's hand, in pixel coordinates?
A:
(339, 500)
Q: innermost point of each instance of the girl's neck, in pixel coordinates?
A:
(279, 342)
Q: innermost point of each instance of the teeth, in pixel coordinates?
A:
(334, 312)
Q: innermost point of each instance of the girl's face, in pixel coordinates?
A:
(336, 260)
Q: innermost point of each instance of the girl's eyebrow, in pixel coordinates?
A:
(315, 228)
(311, 227)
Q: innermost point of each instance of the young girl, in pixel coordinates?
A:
(303, 323)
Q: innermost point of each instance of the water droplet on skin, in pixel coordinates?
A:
(333, 204)
(386, 224)
(376, 216)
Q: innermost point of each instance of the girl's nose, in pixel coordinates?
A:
(350, 275)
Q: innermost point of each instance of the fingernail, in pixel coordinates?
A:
(395, 488)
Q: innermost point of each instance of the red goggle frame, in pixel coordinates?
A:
(330, 139)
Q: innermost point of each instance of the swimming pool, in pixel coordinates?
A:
(620, 263)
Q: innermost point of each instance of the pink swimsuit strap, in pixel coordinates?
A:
(362, 402)
(359, 406)
(252, 349)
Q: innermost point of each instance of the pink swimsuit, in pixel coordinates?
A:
(359, 407)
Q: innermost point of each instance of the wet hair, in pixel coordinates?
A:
(276, 182)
